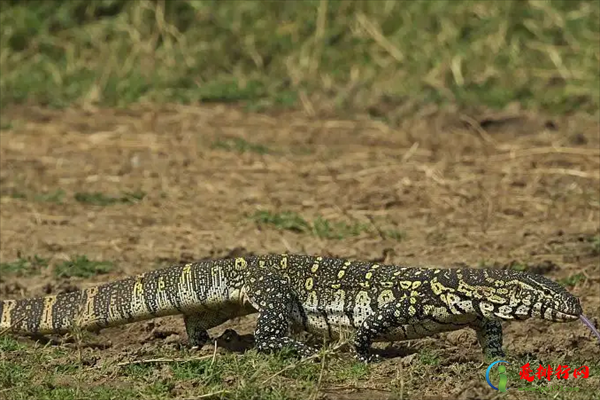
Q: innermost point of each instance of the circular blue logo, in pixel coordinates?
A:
(503, 378)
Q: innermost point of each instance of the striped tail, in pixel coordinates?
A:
(156, 293)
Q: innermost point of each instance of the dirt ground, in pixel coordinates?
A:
(487, 190)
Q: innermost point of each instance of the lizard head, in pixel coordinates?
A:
(522, 295)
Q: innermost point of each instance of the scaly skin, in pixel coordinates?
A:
(326, 296)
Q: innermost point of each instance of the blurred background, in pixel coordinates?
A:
(389, 59)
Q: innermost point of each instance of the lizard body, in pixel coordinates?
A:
(326, 296)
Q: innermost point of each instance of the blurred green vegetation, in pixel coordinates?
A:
(387, 58)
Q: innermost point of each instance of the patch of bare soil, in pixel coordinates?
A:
(517, 189)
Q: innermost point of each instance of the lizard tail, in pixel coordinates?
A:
(40, 314)
(157, 293)
(116, 303)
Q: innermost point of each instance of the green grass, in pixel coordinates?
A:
(229, 376)
(14, 193)
(81, 266)
(181, 373)
(56, 196)
(93, 198)
(572, 280)
(285, 220)
(6, 124)
(326, 229)
(394, 234)
(24, 266)
(518, 266)
(387, 58)
(319, 227)
(100, 199)
(9, 344)
(429, 357)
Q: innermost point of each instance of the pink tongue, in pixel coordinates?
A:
(590, 325)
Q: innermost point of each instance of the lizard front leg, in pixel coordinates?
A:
(276, 302)
(489, 336)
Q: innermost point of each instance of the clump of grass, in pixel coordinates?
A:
(325, 229)
(394, 234)
(285, 220)
(8, 343)
(56, 196)
(387, 59)
(100, 199)
(24, 266)
(572, 280)
(320, 227)
(428, 357)
(14, 193)
(517, 266)
(240, 145)
(5, 125)
(80, 266)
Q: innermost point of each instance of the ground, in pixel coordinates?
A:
(92, 195)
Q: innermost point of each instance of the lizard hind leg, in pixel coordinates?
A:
(391, 315)
(197, 325)
(275, 301)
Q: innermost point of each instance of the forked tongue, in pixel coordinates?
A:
(590, 325)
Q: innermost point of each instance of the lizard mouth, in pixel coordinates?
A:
(562, 316)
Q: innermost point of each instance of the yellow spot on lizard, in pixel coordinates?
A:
(138, 288)
(309, 284)
(437, 287)
(240, 263)
(406, 284)
(385, 297)
(86, 315)
(46, 320)
(5, 319)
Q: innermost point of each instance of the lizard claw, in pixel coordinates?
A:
(368, 358)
